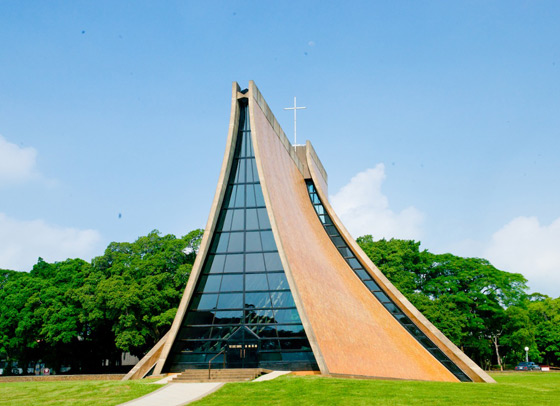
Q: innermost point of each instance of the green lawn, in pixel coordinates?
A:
(511, 389)
(70, 393)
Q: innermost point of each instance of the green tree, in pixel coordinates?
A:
(138, 287)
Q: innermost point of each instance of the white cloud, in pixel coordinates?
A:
(16, 164)
(22, 242)
(364, 209)
(527, 247)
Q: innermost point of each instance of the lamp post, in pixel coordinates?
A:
(527, 354)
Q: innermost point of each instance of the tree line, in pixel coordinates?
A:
(80, 314)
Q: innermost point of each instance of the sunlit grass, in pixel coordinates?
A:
(67, 393)
(512, 388)
(521, 388)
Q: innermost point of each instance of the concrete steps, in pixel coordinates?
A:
(219, 375)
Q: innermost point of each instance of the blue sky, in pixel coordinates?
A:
(437, 121)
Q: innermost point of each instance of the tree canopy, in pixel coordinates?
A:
(81, 313)
(78, 313)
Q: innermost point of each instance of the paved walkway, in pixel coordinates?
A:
(272, 375)
(176, 394)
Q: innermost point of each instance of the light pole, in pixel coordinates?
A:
(527, 354)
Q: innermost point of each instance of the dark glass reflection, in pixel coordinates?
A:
(242, 281)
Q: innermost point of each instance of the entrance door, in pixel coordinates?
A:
(243, 349)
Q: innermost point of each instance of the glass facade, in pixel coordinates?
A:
(375, 289)
(242, 292)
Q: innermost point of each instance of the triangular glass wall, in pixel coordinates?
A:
(242, 285)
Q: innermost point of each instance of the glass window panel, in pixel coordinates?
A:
(229, 197)
(354, 263)
(282, 299)
(272, 261)
(345, 251)
(319, 209)
(338, 241)
(232, 283)
(241, 140)
(415, 331)
(251, 171)
(372, 285)
(257, 300)
(362, 274)
(268, 243)
(310, 188)
(234, 263)
(427, 343)
(306, 356)
(240, 196)
(220, 242)
(295, 344)
(253, 241)
(250, 196)
(331, 230)
(252, 219)
(244, 124)
(246, 135)
(224, 222)
(315, 199)
(256, 281)
(238, 221)
(264, 331)
(192, 358)
(240, 171)
(295, 330)
(228, 317)
(205, 301)
(259, 198)
(381, 296)
(195, 346)
(264, 222)
(278, 281)
(235, 242)
(254, 262)
(287, 316)
(326, 219)
(440, 356)
(250, 151)
(190, 333)
(214, 263)
(259, 316)
(230, 301)
(268, 345)
(199, 318)
(403, 319)
(209, 283)
(222, 332)
(249, 177)
(209, 346)
(392, 308)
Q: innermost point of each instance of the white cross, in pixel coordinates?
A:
(295, 109)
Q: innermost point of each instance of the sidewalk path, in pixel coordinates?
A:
(176, 394)
(272, 375)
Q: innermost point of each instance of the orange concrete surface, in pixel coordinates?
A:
(354, 332)
(469, 367)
